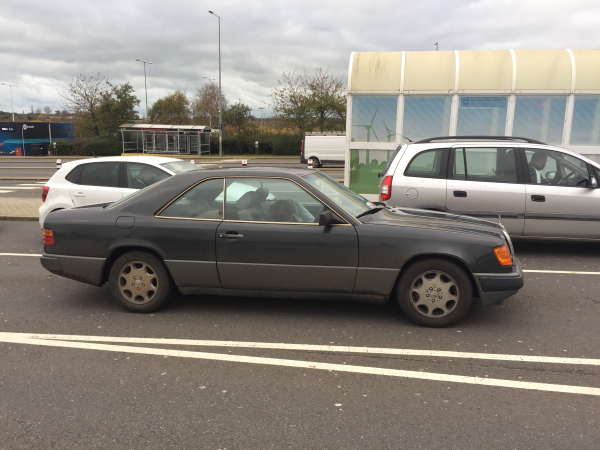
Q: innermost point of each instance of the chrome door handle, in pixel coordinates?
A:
(231, 235)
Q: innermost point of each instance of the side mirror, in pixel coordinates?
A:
(327, 218)
(593, 182)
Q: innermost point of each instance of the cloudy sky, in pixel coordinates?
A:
(44, 44)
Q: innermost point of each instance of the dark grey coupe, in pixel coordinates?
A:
(281, 233)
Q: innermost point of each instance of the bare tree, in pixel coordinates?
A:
(82, 98)
(205, 104)
(47, 110)
(312, 101)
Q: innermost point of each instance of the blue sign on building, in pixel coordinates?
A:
(32, 138)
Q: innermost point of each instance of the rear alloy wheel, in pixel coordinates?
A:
(140, 282)
(434, 293)
(315, 161)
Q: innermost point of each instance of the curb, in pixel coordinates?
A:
(20, 219)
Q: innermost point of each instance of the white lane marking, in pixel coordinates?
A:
(308, 347)
(312, 365)
(39, 184)
(5, 192)
(562, 271)
(24, 187)
(529, 271)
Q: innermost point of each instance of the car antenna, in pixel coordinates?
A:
(90, 150)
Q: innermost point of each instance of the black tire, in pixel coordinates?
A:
(434, 293)
(147, 288)
(316, 162)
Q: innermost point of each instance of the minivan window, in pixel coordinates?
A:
(495, 165)
(427, 164)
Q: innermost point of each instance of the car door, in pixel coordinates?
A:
(185, 232)
(97, 182)
(270, 239)
(484, 182)
(559, 202)
(139, 176)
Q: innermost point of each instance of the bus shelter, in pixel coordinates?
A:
(166, 139)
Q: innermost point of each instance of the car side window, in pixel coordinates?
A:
(270, 200)
(100, 174)
(556, 168)
(427, 164)
(492, 165)
(73, 174)
(203, 201)
(141, 175)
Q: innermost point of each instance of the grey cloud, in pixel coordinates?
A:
(45, 44)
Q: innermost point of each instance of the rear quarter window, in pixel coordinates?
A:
(428, 164)
(73, 175)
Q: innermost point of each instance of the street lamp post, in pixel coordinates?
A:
(11, 99)
(220, 105)
(261, 116)
(145, 86)
(210, 80)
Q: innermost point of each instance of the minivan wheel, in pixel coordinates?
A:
(434, 293)
(315, 161)
(140, 282)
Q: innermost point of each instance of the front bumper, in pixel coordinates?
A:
(80, 268)
(494, 288)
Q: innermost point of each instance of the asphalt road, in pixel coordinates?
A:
(58, 392)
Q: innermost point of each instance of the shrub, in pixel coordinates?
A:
(106, 145)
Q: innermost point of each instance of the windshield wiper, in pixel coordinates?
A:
(370, 211)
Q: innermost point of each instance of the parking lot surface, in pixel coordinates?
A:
(223, 372)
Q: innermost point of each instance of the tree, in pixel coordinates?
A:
(313, 101)
(117, 107)
(82, 98)
(174, 109)
(238, 117)
(47, 110)
(206, 104)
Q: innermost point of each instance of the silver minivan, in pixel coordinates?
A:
(535, 190)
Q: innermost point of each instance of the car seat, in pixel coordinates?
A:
(253, 206)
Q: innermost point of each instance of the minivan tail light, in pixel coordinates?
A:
(45, 191)
(302, 148)
(503, 255)
(48, 237)
(385, 190)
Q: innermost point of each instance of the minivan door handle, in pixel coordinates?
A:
(79, 194)
(460, 193)
(538, 198)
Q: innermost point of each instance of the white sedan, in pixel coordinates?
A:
(102, 180)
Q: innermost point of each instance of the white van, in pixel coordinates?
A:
(323, 148)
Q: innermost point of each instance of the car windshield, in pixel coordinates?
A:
(133, 194)
(340, 194)
(180, 166)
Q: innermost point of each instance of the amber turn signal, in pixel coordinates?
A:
(503, 256)
(48, 237)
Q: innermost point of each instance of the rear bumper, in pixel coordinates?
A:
(494, 288)
(84, 269)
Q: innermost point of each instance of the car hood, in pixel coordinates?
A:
(433, 219)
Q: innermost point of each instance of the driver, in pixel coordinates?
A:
(537, 163)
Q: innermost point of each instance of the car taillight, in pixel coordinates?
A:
(48, 237)
(45, 191)
(503, 255)
(302, 148)
(385, 190)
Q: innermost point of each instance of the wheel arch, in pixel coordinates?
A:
(450, 258)
(120, 251)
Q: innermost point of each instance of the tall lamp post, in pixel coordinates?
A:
(220, 106)
(11, 100)
(261, 116)
(145, 86)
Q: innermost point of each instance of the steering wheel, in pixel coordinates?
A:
(564, 180)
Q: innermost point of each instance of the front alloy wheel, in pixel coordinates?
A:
(434, 292)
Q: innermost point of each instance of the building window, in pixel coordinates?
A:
(374, 118)
(481, 116)
(540, 117)
(365, 167)
(586, 121)
(426, 116)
